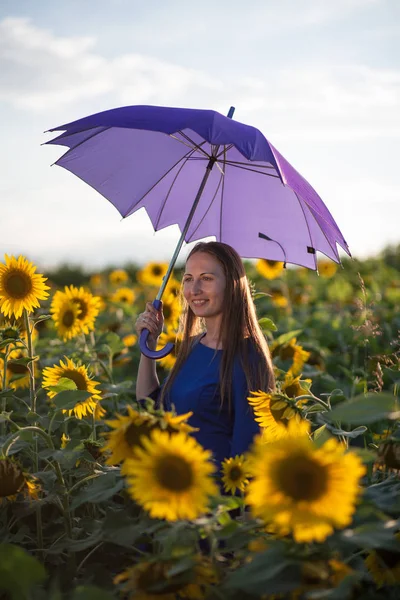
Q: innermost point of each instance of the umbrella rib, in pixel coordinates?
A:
(237, 166)
(184, 158)
(333, 248)
(221, 179)
(237, 162)
(222, 200)
(82, 142)
(225, 150)
(169, 191)
(309, 232)
(196, 146)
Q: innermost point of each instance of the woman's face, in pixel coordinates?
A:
(204, 285)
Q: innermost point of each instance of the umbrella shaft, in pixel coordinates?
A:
(185, 229)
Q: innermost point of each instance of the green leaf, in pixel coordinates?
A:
(257, 295)
(64, 383)
(269, 572)
(14, 561)
(286, 337)
(91, 592)
(111, 341)
(350, 434)
(25, 360)
(100, 490)
(69, 398)
(41, 318)
(267, 324)
(374, 535)
(385, 495)
(365, 409)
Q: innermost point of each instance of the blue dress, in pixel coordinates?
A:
(196, 388)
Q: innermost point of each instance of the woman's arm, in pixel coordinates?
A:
(147, 380)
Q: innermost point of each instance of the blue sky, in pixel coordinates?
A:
(320, 79)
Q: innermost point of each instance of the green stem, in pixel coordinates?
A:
(105, 369)
(82, 481)
(315, 398)
(16, 434)
(4, 387)
(32, 395)
(31, 366)
(94, 434)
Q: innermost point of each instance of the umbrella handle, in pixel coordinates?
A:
(144, 349)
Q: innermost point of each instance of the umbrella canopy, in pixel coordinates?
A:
(155, 158)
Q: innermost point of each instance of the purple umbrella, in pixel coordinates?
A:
(208, 174)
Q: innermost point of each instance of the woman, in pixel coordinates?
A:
(223, 353)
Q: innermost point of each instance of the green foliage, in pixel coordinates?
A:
(83, 529)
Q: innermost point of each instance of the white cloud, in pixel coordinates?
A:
(44, 73)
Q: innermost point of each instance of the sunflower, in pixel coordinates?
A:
(20, 287)
(129, 340)
(118, 276)
(124, 295)
(291, 351)
(173, 287)
(384, 565)
(96, 280)
(327, 268)
(274, 412)
(171, 476)
(88, 304)
(293, 386)
(17, 376)
(65, 314)
(295, 485)
(172, 422)
(270, 269)
(169, 336)
(127, 434)
(152, 274)
(129, 429)
(278, 299)
(234, 474)
(171, 311)
(151, 580)
(14, 481)
(80, 376)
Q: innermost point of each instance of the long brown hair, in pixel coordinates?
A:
(239, 328)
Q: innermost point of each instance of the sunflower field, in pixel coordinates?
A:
(104, 497)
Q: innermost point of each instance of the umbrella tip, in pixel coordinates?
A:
(231, 111)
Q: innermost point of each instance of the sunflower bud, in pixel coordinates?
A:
(12, 479)
(389, 454)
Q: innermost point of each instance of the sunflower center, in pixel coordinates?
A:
(77, 378)
(68, 318)
(16, 368)
(167, 312)
(18, 284)
(271, 263)
(301, 478)
(391, 559)
(293, 390)
(278, 413)
(236, 474)
(11, 478)
(134, 432)
(153, 578)
(83, 306)
(287, 352)
(157, 271)
(174, 473)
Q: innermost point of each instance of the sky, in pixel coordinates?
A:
(320, 79)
